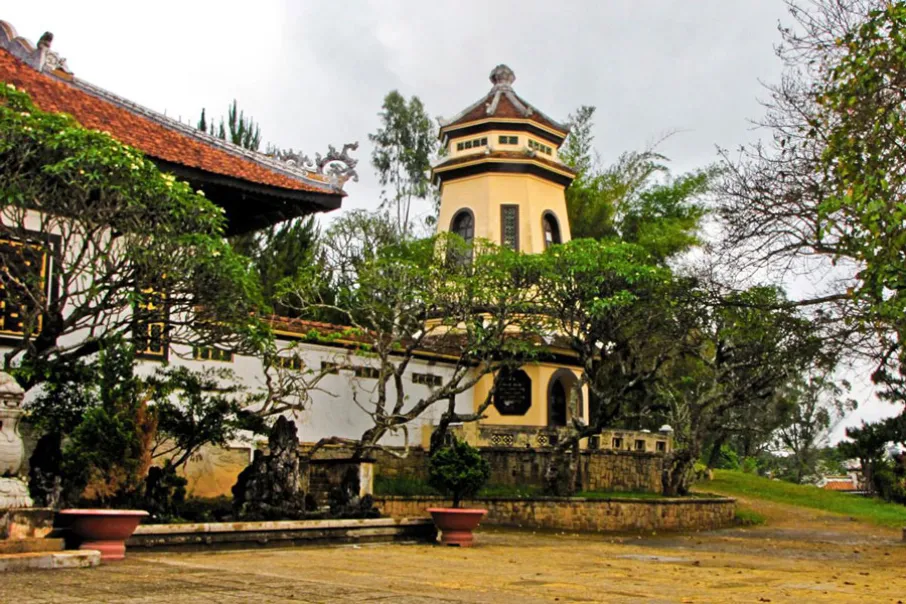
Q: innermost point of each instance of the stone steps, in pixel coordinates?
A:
(30, 546)
(50, 560)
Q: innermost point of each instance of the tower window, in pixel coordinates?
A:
(551, 230)
(463, 225)
(509, 226)
(508, 140)
(539, 147)
(474, 143)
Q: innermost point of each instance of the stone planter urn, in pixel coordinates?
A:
(103, 530)
(456, 524)
(13, 490)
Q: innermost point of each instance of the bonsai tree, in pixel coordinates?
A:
(458, 470)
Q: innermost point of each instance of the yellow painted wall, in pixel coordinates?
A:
(483, 194)
(540, 374)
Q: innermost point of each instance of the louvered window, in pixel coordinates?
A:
(509, 226)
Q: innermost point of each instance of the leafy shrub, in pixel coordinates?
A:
(165, 494)
(888, 485)
(727, 459)
(749, 465)
(458, 470)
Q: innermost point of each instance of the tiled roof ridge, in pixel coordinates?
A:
(224, 145)
(48, 63)
(502, 78)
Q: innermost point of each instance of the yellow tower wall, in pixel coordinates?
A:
(484, 194)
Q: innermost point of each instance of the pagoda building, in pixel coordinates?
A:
(501, 180)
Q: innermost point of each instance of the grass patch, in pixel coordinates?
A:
(739, 484)
(502, 490)
(748, 517)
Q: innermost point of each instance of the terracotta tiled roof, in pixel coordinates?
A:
(839, 484)
(154, 134)
(513, 155)
(503, 102)
(302, 327)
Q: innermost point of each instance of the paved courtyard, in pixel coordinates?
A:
(800, 557)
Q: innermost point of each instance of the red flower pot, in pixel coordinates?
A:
(103, 530)
(456, 524)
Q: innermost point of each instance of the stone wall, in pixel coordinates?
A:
(582, 515)
(214, 471)
(596, 471)
(327, 475)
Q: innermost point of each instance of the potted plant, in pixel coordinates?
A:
(457, 470)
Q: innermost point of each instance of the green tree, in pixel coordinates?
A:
(404, 145)
(278, 250)
(609, 302)
(403, 299)
(277, 253)
(738, 349)
(634, 199)
(458, 470)
(825, 192)
(868, 444)
(112, 424)
(118, 239)
(818, 406)
(238, 129)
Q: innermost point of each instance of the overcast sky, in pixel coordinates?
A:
(314, 73)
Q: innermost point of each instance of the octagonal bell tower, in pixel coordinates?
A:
(501, 178)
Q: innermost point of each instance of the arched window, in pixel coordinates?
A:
(551, 230)
(464, 225)
(557, 404)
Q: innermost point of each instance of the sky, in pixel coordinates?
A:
(315, 73)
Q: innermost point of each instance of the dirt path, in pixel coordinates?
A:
(800, 556)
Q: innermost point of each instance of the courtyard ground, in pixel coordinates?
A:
(800, 555)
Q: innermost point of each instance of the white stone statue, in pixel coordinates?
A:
(13, 490)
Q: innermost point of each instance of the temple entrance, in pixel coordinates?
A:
(560, 407)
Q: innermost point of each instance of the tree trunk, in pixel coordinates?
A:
(560, 474)
(715, 451)
(679, 472)
(439, 436)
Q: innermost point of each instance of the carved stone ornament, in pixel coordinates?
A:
(338, 165)
(13, 490)
(39, 56)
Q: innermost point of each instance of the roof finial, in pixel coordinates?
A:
(46, 40)
(502, 76)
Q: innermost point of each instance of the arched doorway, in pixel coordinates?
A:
(560, 391)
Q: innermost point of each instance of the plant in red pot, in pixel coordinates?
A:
(457, 470)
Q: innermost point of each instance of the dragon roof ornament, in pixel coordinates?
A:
(39, 56)
(339, 166)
